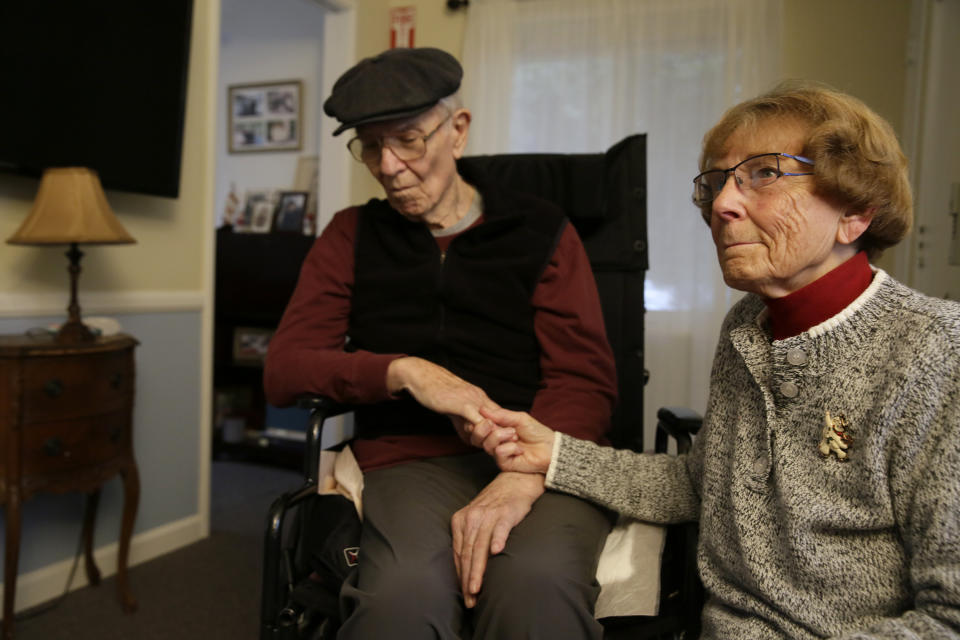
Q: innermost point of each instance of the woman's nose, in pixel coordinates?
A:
(729, 204)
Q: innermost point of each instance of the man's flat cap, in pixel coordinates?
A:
(398, 83)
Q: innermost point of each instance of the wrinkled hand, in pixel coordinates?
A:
(441, 391)
(481, 528)
(515, 439)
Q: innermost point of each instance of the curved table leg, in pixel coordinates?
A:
(131, 498)
(89, 519)
(11, 558)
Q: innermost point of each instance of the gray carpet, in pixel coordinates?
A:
(208, 590)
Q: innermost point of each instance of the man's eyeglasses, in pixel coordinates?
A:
(405, 146)
(753, 173)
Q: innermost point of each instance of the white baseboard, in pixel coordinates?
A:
(47, 582)
(23, 305)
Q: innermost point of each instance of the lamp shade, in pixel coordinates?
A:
(70, 207)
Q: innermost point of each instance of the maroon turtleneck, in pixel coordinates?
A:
(820, 300)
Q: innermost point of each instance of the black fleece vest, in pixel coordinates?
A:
(468, 311)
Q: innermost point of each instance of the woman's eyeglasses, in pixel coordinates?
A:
(753, 173)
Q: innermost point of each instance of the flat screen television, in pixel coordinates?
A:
(95, 83)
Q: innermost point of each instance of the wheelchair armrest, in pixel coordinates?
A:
(321, 408)
(686, 594)
(679, 423)
(274, 613)
(328, 407)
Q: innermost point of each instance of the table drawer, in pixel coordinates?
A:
(59, 446)
(62, 387)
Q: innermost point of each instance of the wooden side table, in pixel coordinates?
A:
(66, 414)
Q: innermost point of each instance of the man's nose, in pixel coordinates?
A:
(390, 164)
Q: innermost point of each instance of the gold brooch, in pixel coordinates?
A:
(835, 437)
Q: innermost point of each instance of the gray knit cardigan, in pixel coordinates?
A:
(794, 544)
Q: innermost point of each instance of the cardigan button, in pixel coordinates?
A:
(789, 390)
(796, 356)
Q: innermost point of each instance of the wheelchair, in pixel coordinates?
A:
(604, 196)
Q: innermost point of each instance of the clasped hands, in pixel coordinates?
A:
(521, 446)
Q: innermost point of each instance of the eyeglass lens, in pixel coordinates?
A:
(752, 173)
(404, 147)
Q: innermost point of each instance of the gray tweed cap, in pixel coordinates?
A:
(398, 83)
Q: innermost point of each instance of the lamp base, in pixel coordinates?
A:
(74, 332)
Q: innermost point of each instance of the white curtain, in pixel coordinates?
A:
(578, 76)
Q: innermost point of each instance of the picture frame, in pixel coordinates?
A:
(261, 219)
(307, 178)
(264, 116)
(250, 345)
(290, 211)
(256, 214)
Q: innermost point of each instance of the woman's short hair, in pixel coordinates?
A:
(859, 164)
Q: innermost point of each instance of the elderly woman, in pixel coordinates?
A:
(826, 477)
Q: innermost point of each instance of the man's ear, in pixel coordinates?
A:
(461, 128)
(853, 224)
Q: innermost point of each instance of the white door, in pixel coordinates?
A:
(936, 255)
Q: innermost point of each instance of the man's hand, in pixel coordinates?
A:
(441, 391)
(515, 439)
(481, 528)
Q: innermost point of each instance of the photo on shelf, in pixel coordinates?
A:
(262, 217)
(290, 211)
(256, 215)
(307, 178)
(250, 345)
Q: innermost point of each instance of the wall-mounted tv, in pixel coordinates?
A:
(95, 83)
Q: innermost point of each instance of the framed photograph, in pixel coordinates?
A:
(250, 345)
(262, 217)
(256, 214)
(291, 207)
(307, 178)
(264, 116)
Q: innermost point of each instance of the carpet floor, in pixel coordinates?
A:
(208, 590)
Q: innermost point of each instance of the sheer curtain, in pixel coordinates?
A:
(579, 75)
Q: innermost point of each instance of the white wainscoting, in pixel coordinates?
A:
(98, 302)
(47, 582)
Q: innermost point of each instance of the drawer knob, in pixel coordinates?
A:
(116, 380)
(115, 433)
(53, 447)
(53, 388)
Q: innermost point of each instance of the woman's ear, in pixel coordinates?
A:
(853, 225)
(461, 128)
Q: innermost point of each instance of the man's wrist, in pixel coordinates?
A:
(397, 374)
(534, 482)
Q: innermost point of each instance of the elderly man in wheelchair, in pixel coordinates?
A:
(449, 296)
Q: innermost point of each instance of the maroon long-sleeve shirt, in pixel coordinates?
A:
(578, 376)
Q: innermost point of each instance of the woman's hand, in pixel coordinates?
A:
(516, 440)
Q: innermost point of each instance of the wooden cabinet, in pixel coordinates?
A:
(66, 416)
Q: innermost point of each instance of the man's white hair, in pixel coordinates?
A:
(452, 102)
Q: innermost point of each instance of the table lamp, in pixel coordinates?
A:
(71, 208)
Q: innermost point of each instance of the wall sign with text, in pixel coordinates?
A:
(402, 23)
